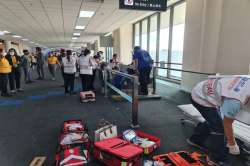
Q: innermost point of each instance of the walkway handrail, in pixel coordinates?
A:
(167, 63)
(186, 71)
(133, 100)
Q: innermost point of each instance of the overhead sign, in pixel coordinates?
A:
(154, 5)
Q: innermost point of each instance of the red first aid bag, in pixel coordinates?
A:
(73, 157)
(74, 126)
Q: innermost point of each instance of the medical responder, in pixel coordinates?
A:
(52, 63)
(5, 69)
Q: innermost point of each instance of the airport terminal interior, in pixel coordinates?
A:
(124, 82)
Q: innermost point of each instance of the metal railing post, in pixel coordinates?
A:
(154, 80)
(135, 104)
(105, 83)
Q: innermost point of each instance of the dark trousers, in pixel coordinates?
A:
(69, 82)
(213, 127)
(3, 83)
(52, 69)
(144, 79)
(86, 82)
(63, 75)
(27, 74)
(93, 79)
(15, 78)
(40, 71)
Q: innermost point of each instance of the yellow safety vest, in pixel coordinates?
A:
(5, 67)
(52, 60)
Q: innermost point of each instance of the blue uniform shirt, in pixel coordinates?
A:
(144, 59)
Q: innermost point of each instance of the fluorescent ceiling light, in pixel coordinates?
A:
(80, 27)
(74, 38)
(108, 34)
(76, 34)
(32, 42)
(2, 33)
(87, 14)
(25, 39)
(6, 32)
(16, 36)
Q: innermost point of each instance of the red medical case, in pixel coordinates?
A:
(151, 149)
(180, 159)
(87, 96)
(117, 152)
(74, 126)
(76, 156)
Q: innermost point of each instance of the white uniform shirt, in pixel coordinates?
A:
(210, 93)
(69, 67)
(85, 65)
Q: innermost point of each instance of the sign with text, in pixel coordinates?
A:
(154, 5)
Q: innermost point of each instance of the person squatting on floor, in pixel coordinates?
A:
(26, 64)
(86, 71)
(143, 65)
(15, 74)
(219, 100)
(40, 63)
(52, 64)
(69, 69)
(5, 69)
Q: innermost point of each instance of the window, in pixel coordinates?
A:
(144, 36)
(178, 38)
(108, 54)
(164, 39)
(163, 43)
(153, 36)
(137, 35)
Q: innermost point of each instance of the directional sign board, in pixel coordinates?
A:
(153, 5)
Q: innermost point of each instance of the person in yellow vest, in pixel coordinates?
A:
(5, 69)
(15, 74)
(52, 63)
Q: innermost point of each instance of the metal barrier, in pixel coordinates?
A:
(132, 99)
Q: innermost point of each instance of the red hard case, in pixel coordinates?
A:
(117, 152)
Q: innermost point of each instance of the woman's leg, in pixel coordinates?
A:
(18, 78)
(89, 82)
(66, 83)
(72, 83)
(11, 80)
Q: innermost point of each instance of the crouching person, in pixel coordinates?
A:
(219, 100)
(5, 69)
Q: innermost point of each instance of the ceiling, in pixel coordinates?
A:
(51, 23)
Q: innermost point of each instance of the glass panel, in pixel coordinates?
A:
(170, 2)
(144, 37)
(153, 36)
(164, 39)
(137, 35)
(178, 38)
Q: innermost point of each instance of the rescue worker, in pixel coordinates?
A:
(86, 71)
(5, 69)
(69, 69)
(60, 57)
(52, 62)
(219, 100)
(15, 74)
(40, 63)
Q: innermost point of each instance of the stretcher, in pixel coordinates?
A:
(241, 130)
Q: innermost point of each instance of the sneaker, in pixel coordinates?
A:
(201, 147)
(12, 91)
(20, 90)
(234, 150)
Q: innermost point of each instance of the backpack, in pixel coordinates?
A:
(147, 58)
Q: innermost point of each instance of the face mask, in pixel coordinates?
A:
(12, 53)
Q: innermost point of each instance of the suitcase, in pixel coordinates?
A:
(87, 96)
(182, 159)
(74, 126)
(77, 156)
(117, 152)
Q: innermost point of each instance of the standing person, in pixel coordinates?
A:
(143, 65)
(86, 70)
(40, 63)
(219, 100)
(52, 62)
(69, 68)
(5, 69)
(114, 62)
(33, 61)
(26, 64)
(15, 74)
(60, 57)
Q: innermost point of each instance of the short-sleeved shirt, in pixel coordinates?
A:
(142, 64)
